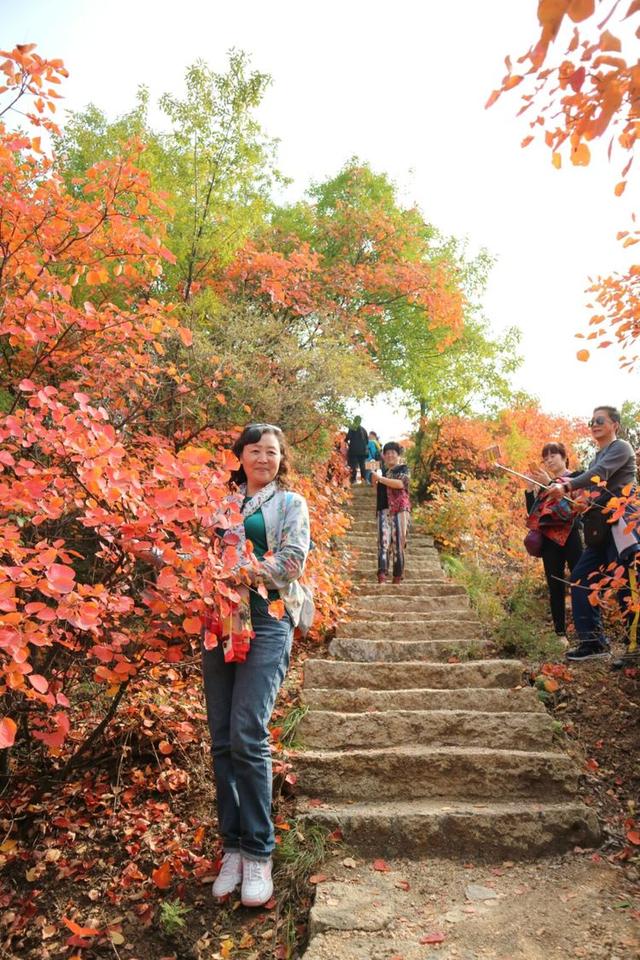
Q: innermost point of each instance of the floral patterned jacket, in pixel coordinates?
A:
(286, 520)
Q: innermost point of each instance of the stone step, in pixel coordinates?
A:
(380, 606)
(410, 631)
(383, 616)
(329, 730)
(369, 555)
(363, 650)
(409, 608)
(481, 699)
(365, 545)
(410, 772)
(369, 561)
(413, 573)
(437, 587)
(484, 832)
(412, 675)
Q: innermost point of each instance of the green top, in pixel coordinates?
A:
(256, 531)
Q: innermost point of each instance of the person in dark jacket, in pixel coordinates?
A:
(614, 463)
(556, 555)
(357, 446)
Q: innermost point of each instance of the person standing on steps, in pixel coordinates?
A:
(615, 464)
(241, 685)
(374, 454)
(561, 542)
(393, 511)
(357, 444)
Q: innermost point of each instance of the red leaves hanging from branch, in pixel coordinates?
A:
(593, 90)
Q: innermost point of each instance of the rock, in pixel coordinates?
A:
(474, 891)
(344, 906)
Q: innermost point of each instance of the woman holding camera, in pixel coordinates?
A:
(561, 542)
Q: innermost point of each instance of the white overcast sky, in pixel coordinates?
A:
(402, 85)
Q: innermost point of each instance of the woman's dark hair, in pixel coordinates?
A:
(555, 448)
(392, 445)
(252, 433)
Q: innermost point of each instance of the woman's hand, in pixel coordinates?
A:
(541, 477)
(556, 491)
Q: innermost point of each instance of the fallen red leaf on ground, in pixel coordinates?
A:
(161, 876)
(78, 930)
(436, 937)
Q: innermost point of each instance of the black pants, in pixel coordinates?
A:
(355, 462)
(554, 559)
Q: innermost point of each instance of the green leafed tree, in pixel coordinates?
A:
(214, 164)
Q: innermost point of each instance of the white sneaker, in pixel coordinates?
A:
(230, 875)
(257, 885)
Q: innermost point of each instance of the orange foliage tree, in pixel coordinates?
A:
(475, 509)
(99, 466)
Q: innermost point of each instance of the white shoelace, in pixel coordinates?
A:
(255, 870)
(230, 863)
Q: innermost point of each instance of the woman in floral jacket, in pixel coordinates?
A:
(243, 672)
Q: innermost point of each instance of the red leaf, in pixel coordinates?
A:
(633, 836)
(318, 878)
(38, 682)
(78, 930)
(161, 876)
(8, 731)
(61, 578)
(381, 865)
(436, 937)
(276, 609)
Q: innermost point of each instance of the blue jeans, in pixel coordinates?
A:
(587, 618)
(240, 699)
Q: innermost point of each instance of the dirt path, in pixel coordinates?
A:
(554, 909)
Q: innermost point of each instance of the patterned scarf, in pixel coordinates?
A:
(232, 625)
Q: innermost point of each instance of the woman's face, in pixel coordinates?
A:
(603, 428)
(261, 461)
(391, 458)
(554, 464)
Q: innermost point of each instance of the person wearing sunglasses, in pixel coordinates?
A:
(615, 464)
(246, 653)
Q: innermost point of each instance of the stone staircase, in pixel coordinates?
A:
(411, 755)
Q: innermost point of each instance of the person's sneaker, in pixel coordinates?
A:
(626, 660)
(382, 578)
(588, 650)
(230, 875)
(397, 579)
(257, 885)
(562, 640)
